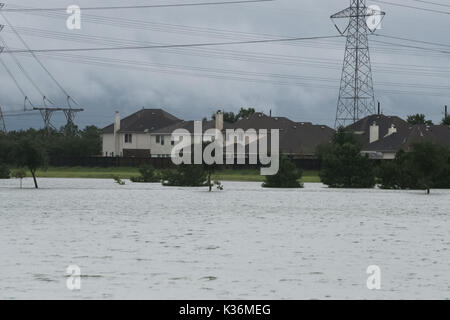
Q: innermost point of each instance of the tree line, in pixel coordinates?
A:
(32, 149)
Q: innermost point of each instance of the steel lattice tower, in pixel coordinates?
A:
(356, 95)
(2, 122)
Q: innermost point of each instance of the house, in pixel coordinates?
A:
(148, 133)
(131, 136)
(388, 147)
(383, 136)
(297, 139)
(164, 135)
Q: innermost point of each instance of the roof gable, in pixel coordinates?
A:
(145, 120)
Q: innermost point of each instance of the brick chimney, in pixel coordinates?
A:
(374, 132)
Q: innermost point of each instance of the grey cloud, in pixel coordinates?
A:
(102, 90)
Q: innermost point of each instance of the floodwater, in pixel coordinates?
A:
(146, 241)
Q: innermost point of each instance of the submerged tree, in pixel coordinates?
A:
(427, 166)
(397, 173)
(343, 165)
(19, 174)
(287, 177)
(30, 155)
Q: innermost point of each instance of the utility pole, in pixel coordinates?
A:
(446, 112)
(2, 122)
(356, 95)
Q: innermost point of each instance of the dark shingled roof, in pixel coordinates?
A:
(189, 126)
(304, 138)
(417, 133)
(259, 121)
(362, 127)
(145, 120)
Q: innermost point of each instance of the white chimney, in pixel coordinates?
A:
(219, 120)
(374, 132)
(116, 134)
(391, 130)
(117, 122)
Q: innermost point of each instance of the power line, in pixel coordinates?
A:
(236, 55)
(183, 29)
(433, 3)
(411, 46)
(413, 40)
(20, 66)
(193, 4)
(35, 57)
(188, 45)
(254, 57)
(411, 7)
(12, 77)
(235, 75)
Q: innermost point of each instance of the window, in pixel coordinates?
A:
(128, 138)
(172, 142)
(158, 139)
(162, 140)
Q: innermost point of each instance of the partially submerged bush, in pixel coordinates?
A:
(287, 177)
(148, 174)
(427, 166)
(185, 176)
(118, 180)
(343, 165)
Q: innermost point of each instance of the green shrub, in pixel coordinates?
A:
(287, 176)
(185, 176)
(343, 165)
(118, 180)
(148, 174)
(426, 166)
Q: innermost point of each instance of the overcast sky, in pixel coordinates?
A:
(297, 80)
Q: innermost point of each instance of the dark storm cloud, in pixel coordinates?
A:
(193, 83)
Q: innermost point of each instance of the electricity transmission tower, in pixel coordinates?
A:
(47, 114)
(2, 122)
(356, 95)
(45, 111)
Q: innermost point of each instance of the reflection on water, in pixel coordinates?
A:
(148, 241)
